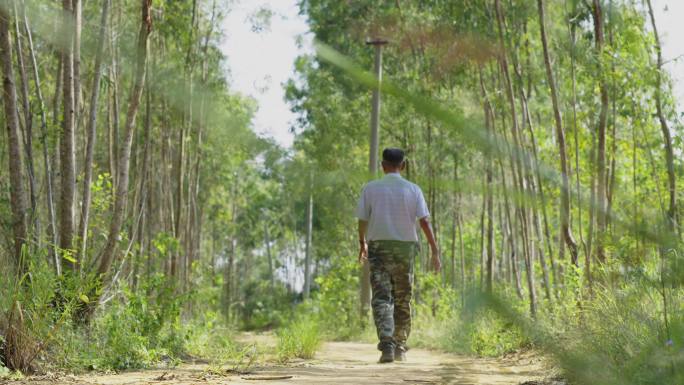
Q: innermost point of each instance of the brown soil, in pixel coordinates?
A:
(335, 363)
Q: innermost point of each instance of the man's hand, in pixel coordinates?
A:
(363, 252)
(436, 262)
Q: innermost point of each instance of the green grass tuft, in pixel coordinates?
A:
(299, 339)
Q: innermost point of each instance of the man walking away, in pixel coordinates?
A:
(387, 211)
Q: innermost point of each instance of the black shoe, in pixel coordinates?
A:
(387, 356)
(399, 354)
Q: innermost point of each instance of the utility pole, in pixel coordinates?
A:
(267, 239)
(377, 43)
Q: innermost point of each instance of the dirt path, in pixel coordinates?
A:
(336, 363)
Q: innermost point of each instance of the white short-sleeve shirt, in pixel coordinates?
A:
(391, 205)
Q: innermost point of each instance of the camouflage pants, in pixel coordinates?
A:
(391, 275)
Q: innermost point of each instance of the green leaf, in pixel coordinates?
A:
(84, 298)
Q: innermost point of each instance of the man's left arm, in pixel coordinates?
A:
(430, 235)
(424, 219)
(363, 252)
(363, 214)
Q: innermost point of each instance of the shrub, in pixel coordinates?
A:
(621, 338)
(299, 339)
(135, 330)
(442, 323)
(142, 327)
(265, 306)
(337, 303)
(31, 312)
(209, 337)
(490, 336)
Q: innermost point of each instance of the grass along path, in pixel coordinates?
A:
(335, 363)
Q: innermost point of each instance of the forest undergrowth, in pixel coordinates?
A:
(632, 326)
(626, 331)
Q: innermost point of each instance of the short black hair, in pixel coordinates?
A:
(393, 156)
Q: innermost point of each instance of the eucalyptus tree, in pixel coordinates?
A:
(121, 194)
(15, 158)
(91, 129)
(560, 138)
(665, 129)
(601, 189)
(67, 143)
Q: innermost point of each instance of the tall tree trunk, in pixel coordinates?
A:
(309, 231)
(198, 208)
(28, 130)
(267, 240)
(667, 137)
(510, 218)
(230, 268)
(610, 178)
(143, 205)
(183, 169)
(528, 251)
(67, 148)
(91, 133)
(483, 250)
(15, 158)
(540, 250)
(542, 201)
(452, 266)
(521, 211)
(464, 282)
(511, 235)
(180, 178)
(113, 105)
(490, 231)
(507, 269)
(592, 215)
(527, 121)
(120, 199)
(578, 192)
(56, 122)
(78, 11)
(454, 224)
(601, 192)
(488, 189)
(635, 193)
(560, 138)
(47, 164)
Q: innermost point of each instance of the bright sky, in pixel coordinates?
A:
(262, 61)
(669, 15)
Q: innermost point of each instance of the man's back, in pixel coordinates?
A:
(391, 206)
(388, 211)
